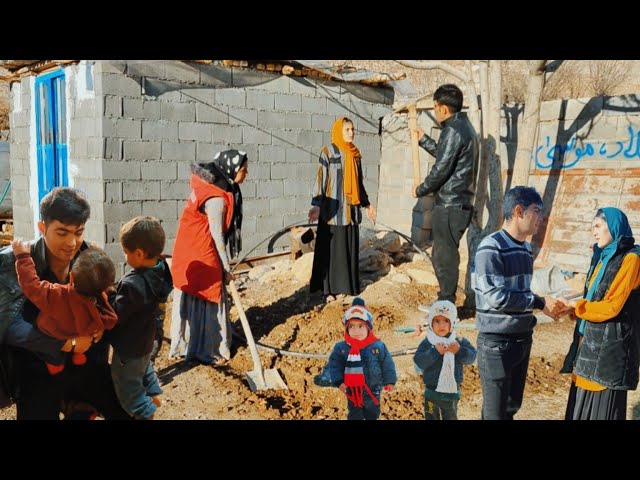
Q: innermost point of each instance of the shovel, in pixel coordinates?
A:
(258, 378)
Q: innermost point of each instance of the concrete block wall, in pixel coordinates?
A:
(86, 145)
(397, 207)
(587, 157)
(5, 176)
(21, 118)
(158, 117)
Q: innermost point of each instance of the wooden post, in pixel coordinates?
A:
(415, 153)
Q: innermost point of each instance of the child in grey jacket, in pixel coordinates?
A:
(439, 359)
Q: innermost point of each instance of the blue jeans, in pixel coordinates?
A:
(369, 410)
(135, 383)
(503, 361)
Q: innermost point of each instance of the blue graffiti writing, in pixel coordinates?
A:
(572, 154)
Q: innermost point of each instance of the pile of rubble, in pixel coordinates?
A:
(6, 234)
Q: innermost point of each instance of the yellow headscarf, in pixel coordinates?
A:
(350, 166)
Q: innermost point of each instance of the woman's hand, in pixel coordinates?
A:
(371, 213)
(314, 214)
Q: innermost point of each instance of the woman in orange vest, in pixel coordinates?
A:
(210, 223)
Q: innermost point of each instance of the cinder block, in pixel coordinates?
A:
(113, 192)
(174, 190)
(121, 212)
(274, 82)
(316, 105)
(141, 150)
(270, 224)
(310, 138)
(159, 171)
(182, 151)
(159, 130)
(121, 170)
(113, 148)
(322, 122)
(227, 134)
(212, 114)
(118, 84)
(252, 135)
(147, 68)
(289, 103)
(164, 209)
(126, 128)
(270, 189)
(204, 96)
(302, 86)
(300, 155)
(146, 190)
(242, 116)
(280, 171)
(271, 120)
(255, 207)
(300, 121)
(131, 107)
(260, 100)
(200, 132)
(182, 112)
(337, 108)
(184, 170)
(271, 154)
(231, 96)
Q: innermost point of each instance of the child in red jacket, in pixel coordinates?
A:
(78, 308)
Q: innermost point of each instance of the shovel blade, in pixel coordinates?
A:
(272, 380)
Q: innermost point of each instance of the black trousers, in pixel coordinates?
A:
(40, 394)
(448, 224)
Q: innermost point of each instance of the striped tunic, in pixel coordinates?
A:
(329, 189)
(501, 277)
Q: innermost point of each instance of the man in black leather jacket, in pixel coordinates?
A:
(453, 180)
(39, 395)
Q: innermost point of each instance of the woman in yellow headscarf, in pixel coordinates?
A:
(339, 195)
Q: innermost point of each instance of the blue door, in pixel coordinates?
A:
(51, 132)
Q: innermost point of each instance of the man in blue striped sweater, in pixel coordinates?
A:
(501, 277)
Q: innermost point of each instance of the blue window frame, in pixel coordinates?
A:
(51, 132)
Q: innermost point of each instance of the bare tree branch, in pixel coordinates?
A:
(433, 65)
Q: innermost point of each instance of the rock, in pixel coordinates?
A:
(417, 257)
(372, 260)
(401, 278)
(256, 272)
(302, 267)
(424, 277)
(387, 242)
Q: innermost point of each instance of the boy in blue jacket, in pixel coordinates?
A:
(360, 366)
(439, 359)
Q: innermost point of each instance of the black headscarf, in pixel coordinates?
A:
(224, 168)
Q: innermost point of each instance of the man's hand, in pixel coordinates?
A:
(552, 306)
(314, 214)
(82, 344)
(371, 213)
(453, 347)
(413, 190)
(20, 247)
(420, 133)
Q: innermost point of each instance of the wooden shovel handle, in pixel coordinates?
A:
(415, 153)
